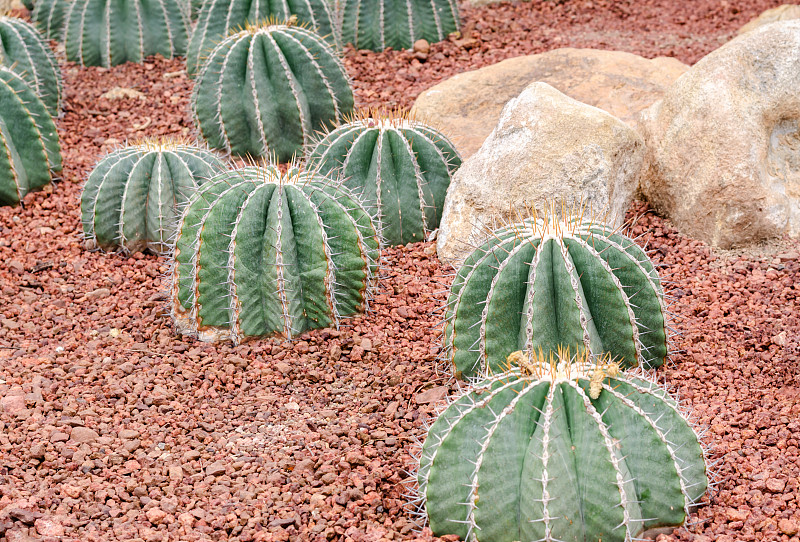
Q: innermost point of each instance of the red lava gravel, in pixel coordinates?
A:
(113, 428)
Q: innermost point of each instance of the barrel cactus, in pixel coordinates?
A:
(399, 166)
(110, 32)
(50, 16)
(378, 24)
(555, 281)
(29, 149)
(219, 17)
(261, 253)
(560, 449)
(133, 198)
(23, 49)
(265, 90)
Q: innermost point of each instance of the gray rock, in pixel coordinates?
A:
(724, 143)
(547, 149)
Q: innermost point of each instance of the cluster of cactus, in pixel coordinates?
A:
(23, 49)
(399, 166)
(29, 148)
(552, 281)
(261, 253)
(265, 90)
(378, 24)
(218, 18)
(110, 32)
(134, 196)
(560, 448)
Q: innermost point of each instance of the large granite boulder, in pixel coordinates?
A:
(786, 12)
(546, 149)
(724, 143)
(467, 106)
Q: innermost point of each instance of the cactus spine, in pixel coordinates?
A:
(134, 196)
(29, 148)
(51, 17)
(265, 90)
(399, 166)
(560, 449)
(23, 48)
(378, 24)
(219, 17)
(551, 282)
(260, 253)
(110, 32)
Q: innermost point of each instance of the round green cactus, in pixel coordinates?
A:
(50, 16)
(378, 24)
(554, 282)
(29, 149)
(560, 449)
(134, 196)
(219, 17)
(398, 165)
(265, 90)
(23, 49)
(110, 32)
(260, 253)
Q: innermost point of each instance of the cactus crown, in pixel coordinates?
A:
(222, 18)
(265, 253)
(560, 448)
(560, 279)
(400, 166)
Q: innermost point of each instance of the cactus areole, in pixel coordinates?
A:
(560, 450)
(264, 91)
(552, 282)
(29, 148)
(378, 24)
(134, 196)
(111, 32)
(261, 253)
(399, 166)
(218, 17)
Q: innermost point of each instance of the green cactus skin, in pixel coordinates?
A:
(399, 166)
(560, 452)
(219, 17)
(50, 16)
(265, 90)
(134, 196)
(111, 32)
(378, 24)
(546, 284)
(29, 149)
(23, 49)
(28, 4)
(260, 253)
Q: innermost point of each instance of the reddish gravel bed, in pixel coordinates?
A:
(113, 428)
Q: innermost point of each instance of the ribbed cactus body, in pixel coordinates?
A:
(266, 90)
(29, 148)
(134, 196)
(378, 24)
(550, 284)
(110, 32)
(23, 49)
(50, 16)
(561, 453)
(218, 18)
(260, 253)
(399, 166)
